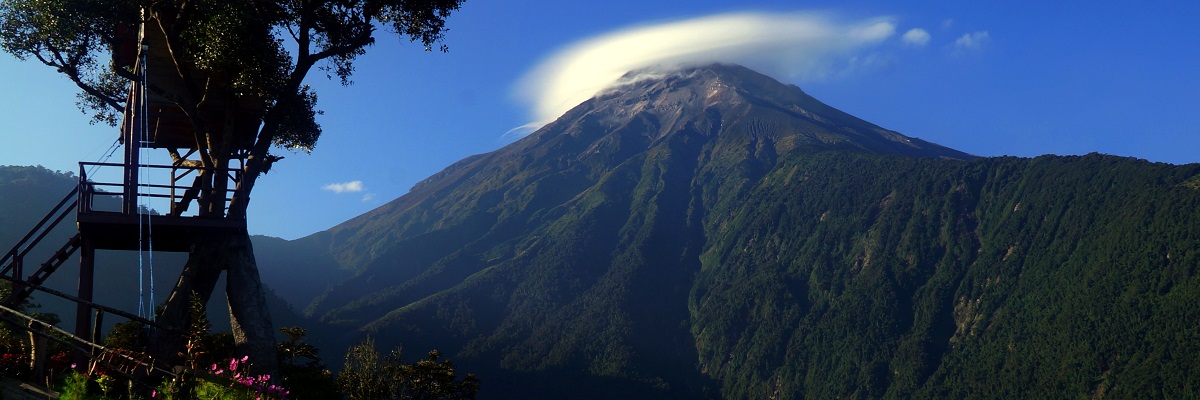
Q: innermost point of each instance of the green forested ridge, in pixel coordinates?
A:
(1014, 278)
(27, 193)
(647, 245)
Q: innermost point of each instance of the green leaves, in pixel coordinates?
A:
(234, 69)
(299, 129)
(235, 41)
(423, 21)
(73, 37)
(369, 376)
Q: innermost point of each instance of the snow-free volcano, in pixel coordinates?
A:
(711, 232)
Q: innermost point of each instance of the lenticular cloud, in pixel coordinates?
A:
(797, 46)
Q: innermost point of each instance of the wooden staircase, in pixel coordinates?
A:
(12, 269)
(13, 261)
(22, 291)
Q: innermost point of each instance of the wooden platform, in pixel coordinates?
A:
(117, 231)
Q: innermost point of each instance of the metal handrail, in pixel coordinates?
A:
(175, 190)
(80, 345)
(92, 305)
(61, 209)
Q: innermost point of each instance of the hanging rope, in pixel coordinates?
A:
(112, 149)
(146, 133)
(145, 234)
(141, 240)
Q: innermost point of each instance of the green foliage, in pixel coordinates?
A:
(241, 45)
(75, 387)
(368, 376)
(72, 37)
(302, 369)
(362, 376)
(127, 335)
(847, 275)
(233, 64)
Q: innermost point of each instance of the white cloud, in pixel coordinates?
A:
(369, 197)
(972, 41)
(344, 187)
(916, 37)
(793, 46)
(947, 23)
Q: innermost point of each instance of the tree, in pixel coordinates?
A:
(368, 375)
(233, 62)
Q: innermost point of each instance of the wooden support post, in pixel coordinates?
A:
(18, 285)
(99, 328)
(37, 350)
(87, 267)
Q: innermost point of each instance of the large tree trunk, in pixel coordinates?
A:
(253, 331)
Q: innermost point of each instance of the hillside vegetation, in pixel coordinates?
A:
(768, 246)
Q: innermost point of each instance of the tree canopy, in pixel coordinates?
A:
(256, 51)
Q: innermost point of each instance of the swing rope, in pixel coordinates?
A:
(145, 225)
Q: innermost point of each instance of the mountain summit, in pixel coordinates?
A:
(726, 116)
(714, 233)
(722, 99)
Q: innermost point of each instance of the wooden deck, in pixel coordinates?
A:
(117, 231)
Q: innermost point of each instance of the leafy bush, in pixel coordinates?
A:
(368, 376)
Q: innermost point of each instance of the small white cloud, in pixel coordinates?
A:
(972, 41)
(947, 23)
(367, 198)
(916, 37)
(344, 187)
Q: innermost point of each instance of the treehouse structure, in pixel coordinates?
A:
(196, 192)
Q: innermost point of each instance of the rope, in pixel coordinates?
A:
(143, 163)
(145, 134)
(112, 149)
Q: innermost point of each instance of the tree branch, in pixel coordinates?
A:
(72, 73)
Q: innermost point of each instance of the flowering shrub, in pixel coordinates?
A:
(260, 384)
(13, 364)
(222, 383)
(58, 362)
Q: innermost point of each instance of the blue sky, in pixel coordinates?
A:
(988, 78)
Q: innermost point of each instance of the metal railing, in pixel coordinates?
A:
(178, 195)
(12, 263)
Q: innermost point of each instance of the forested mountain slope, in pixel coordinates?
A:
(713, 233)
(849, 275)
